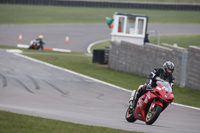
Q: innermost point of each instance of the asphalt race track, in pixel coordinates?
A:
(35, 88)
(80, 35)
(32, 88)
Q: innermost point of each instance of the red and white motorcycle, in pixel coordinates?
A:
(152, 103)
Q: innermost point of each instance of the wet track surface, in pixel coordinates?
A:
(33, 88)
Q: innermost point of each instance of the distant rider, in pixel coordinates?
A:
(164, 73)
(40, 41)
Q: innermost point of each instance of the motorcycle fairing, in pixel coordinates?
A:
(143, 103)
(154, 103)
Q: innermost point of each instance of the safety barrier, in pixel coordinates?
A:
(107, 4)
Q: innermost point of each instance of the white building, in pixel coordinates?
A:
(129, 27)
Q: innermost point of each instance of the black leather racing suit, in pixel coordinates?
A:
(158, 72)
(41, 43)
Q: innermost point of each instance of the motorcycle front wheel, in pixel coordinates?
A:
(129, 115)
(152, 115)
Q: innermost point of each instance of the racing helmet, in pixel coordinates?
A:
(168, 67)
(41, 36)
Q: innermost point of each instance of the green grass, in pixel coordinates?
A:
(17, 123)
(39, 51)
(100, 45)
(183, 41)
(27, 14)
(186, 96)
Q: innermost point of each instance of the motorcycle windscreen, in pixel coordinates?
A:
(165, 85)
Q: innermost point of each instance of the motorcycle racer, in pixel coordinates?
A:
(164, 73)
(37, 43)
(40, 41)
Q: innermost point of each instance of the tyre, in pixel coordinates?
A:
(129, 115)
(152, 115)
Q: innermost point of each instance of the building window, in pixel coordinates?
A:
(130, 27)
(140, 26)
(121, 24)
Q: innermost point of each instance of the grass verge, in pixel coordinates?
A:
(17, 123)
(183, 41)
(28, 14)
(101, 45)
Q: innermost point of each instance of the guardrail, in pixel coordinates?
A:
(107, 4)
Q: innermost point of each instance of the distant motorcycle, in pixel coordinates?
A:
(35, 44)
(152, 103)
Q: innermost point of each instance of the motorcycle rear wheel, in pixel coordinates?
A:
(129, 115)
(152, 116)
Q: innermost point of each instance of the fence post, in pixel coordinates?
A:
(184, 68)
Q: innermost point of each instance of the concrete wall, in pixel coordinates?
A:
(142, 60)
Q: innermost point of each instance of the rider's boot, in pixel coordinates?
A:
(135, 96)
(133, 103)
(133, 100)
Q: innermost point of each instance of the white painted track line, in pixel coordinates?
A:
(94, 43)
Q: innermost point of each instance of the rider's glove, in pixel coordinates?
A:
(149, 88)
